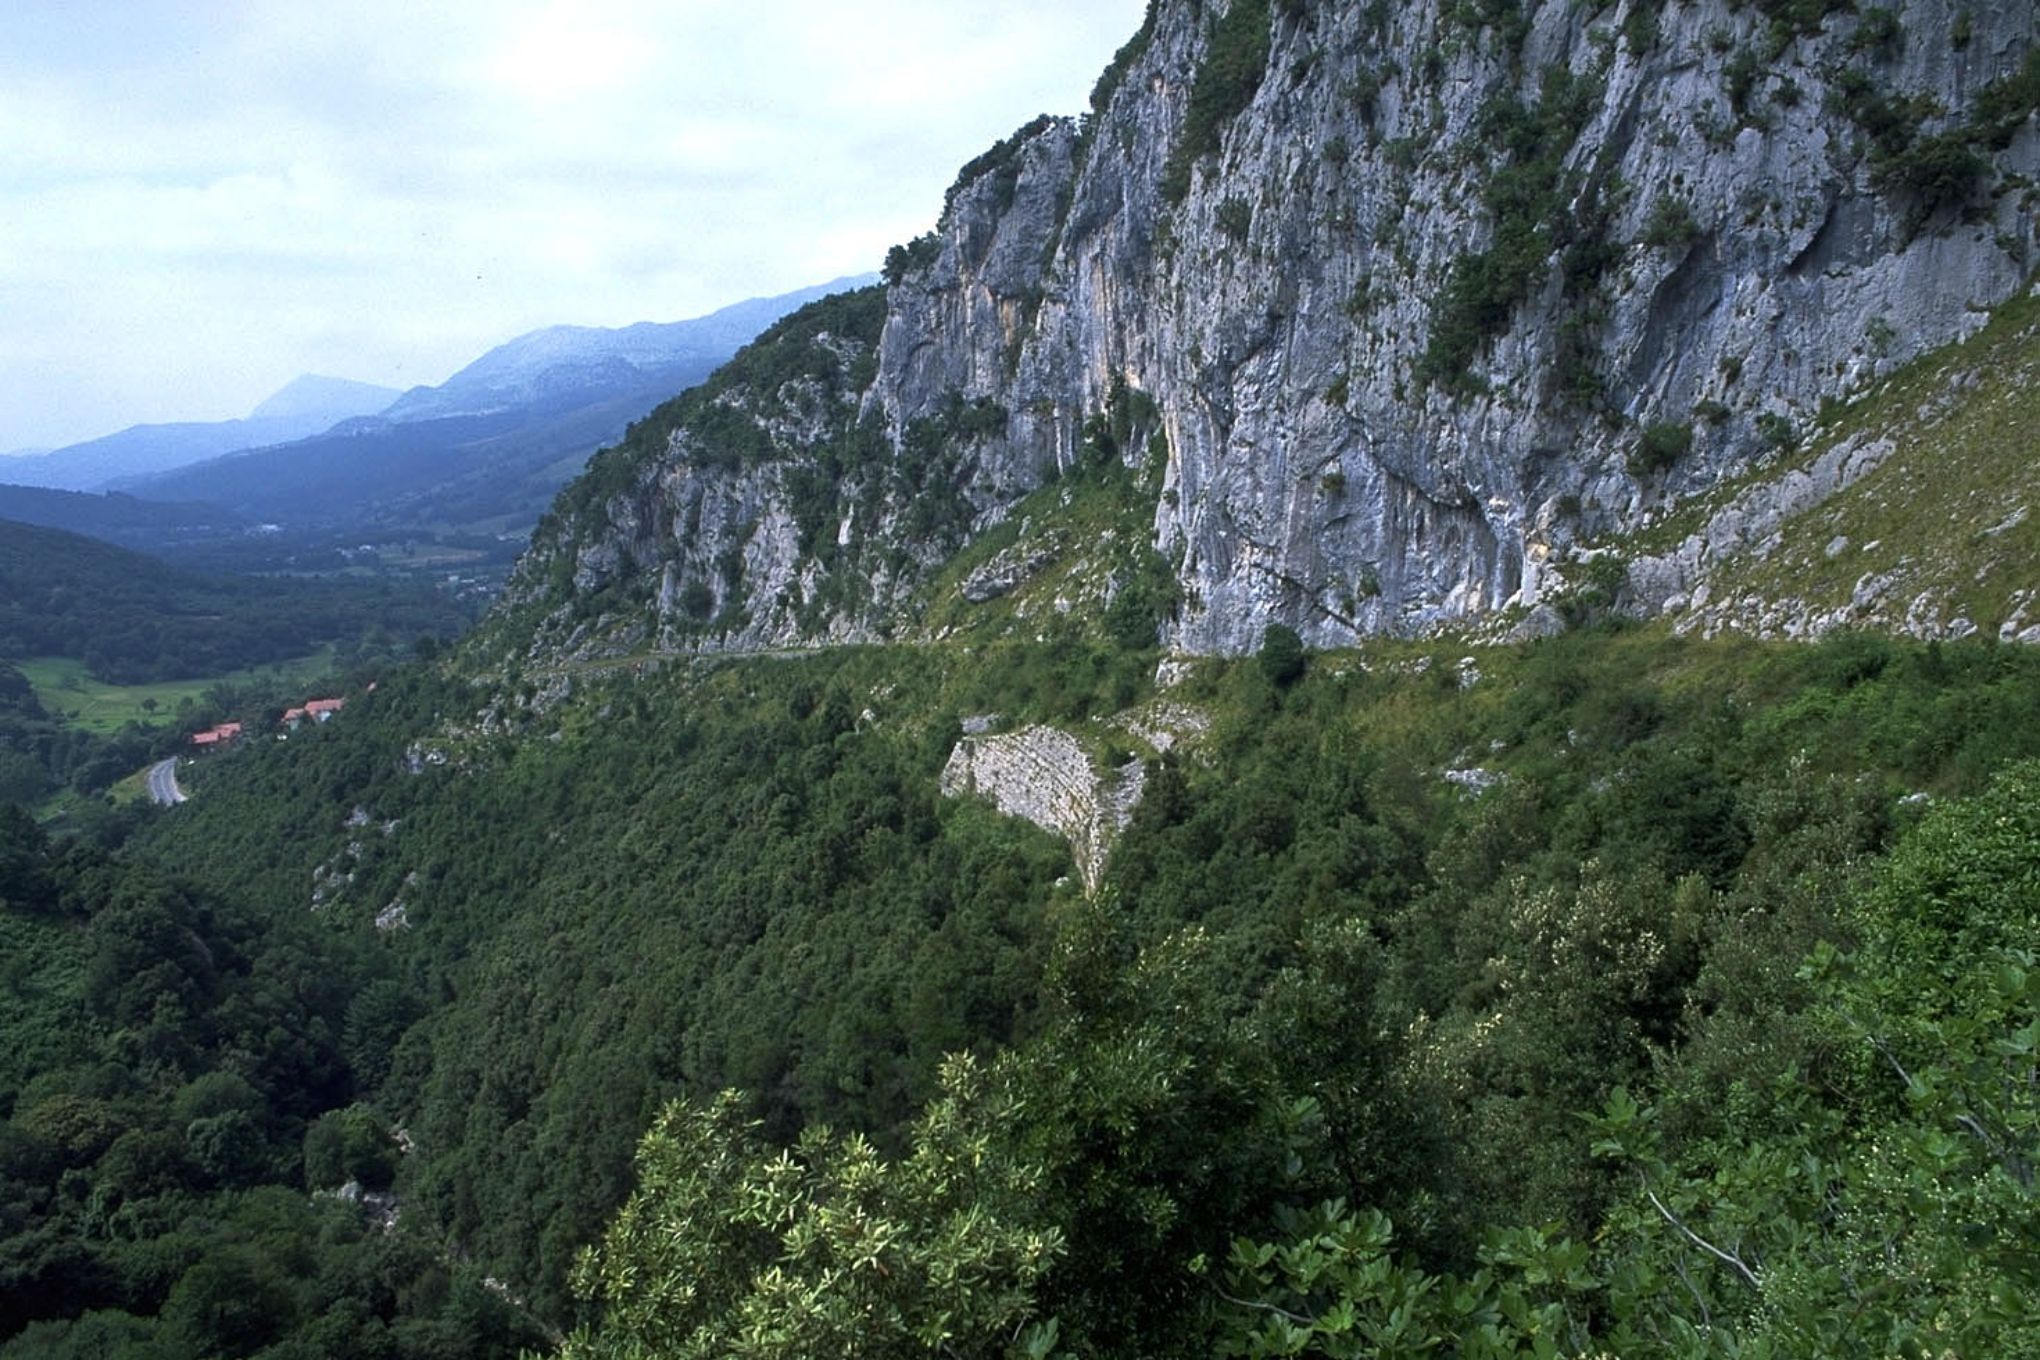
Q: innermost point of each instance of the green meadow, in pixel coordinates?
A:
(66, 691)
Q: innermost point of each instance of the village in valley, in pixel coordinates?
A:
(226, 734)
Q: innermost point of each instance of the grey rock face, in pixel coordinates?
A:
(1041, 774)
(1005, 573)
(1710, 242)
(1790, 278)
(1474, 780)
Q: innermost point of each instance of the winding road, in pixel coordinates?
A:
(162, 780)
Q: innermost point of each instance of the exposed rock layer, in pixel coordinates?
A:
(1042, 774)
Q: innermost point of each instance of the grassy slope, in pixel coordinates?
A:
(1089, 526)
(1948, 515)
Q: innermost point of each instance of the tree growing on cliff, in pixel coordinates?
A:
(1281, 656)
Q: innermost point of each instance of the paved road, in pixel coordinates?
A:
(594, 664)
(163, 783)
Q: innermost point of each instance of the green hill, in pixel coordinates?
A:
(1383, 928)
(132, 619)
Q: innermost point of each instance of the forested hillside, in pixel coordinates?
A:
(179, 1070)
(1385, 936)
(130, 618)
(114, 518)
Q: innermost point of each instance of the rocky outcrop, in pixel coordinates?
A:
(1165, 725)
(1910, 517)
(1431, 299)
(1042, 774)
(1005, 572)
(1675, 581)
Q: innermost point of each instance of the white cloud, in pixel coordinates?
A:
(198, 201)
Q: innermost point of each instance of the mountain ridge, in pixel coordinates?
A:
(304, 406)
(484, 452)
(1548, 276)
(515, 371)
(113, 517)
(317, 396)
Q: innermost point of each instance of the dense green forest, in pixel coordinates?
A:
(133, 619)
(178, 1071)
(1697, 1024)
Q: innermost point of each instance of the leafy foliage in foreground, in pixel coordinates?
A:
(728, 1249)
(1889, 1210)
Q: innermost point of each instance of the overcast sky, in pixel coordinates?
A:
(201, 199)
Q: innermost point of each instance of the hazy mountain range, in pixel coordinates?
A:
(479, 455)
(560, 364)
(306, 405)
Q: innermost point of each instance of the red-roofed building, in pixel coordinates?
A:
(318, 710)
(226, 734)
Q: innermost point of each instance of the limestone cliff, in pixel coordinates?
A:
(1410, 298)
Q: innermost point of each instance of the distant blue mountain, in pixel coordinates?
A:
(306, 405)
(485, 451)
(312, 397)
(563, 366)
